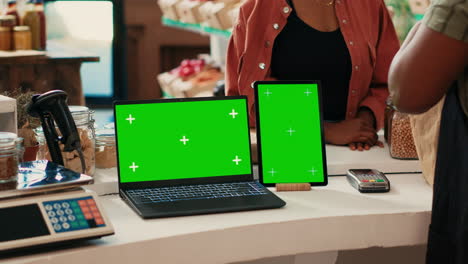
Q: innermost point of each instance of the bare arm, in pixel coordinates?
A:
(423, 70)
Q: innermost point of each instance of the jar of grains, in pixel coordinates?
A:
(5, 38)
(106, 152)
(8, 157)
(398, 134)
(22, 38)
(6, 31)
(8, 21)
(84, 120)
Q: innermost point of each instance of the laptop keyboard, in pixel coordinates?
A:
(194, 192)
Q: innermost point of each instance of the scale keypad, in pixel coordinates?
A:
(73, 214)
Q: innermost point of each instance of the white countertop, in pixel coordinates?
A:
(339, 160)
(331, 218)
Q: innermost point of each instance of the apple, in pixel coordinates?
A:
(194, 62)
(197, 68)
(185, 63)
(186, 71)
(175, 71)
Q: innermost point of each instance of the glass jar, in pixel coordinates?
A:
(389, 110)
(8, 157)
(398, 134)
(106, 152)
(84, 120)
(20, 149)
(22, 38)
(5, 38)
(6, 32)
(7, 21)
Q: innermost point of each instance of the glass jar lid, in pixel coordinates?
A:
(105, 137)
(78, 108)
(21, 28)
(389, 103)
(7, 139)
(81, 114)
(8, 21)
(8, 18)
(110, 126)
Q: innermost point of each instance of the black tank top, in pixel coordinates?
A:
(301, 52)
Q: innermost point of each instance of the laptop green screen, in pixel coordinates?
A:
(176, 139)
(290, 133)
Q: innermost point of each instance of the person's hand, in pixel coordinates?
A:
(357, 133)
(362, 146)
(368, 117)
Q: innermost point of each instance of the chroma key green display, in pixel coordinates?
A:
(182, 139)
(290, 138)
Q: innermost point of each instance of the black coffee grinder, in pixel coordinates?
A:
(52, 106)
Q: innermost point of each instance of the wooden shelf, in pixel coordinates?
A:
(197, 28)
(55, 52)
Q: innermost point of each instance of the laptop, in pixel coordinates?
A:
(187, 156)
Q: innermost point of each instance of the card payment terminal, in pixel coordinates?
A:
(368, 180)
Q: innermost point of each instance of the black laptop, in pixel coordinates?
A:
(187, 156)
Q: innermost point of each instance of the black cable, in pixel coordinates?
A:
(83, 164)
(108, 194)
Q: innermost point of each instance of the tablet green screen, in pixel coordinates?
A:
(291, 146)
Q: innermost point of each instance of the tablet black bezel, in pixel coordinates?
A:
(258, 120)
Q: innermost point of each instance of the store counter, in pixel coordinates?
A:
(331, 218)
(327, 219)
(339, 160)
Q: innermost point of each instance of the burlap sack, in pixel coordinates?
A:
(425, 128)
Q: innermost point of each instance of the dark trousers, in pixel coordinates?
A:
(448, 233)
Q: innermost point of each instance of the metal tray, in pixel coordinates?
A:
(41, 176)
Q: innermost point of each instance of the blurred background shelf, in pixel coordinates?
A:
(198, 28)
(58, 68)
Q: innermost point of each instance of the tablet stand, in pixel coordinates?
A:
(290, 187)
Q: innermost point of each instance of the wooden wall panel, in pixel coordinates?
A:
(146, 13)
(171, 56)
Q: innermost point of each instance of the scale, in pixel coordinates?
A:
(46, 205)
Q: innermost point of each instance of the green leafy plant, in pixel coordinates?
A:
(403, 18)
(26, 123)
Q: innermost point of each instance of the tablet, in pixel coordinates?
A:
(290, 136)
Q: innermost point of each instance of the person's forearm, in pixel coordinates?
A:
(394, 82)
(421, 74)
(368, 116)
(326, 128)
